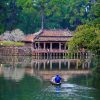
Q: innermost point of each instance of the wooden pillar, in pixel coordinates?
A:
(83, 66)
(50, 55)
(59, 65)
(50, 45)
(68, 64)
(88, 64)
(77, 64)
(44, 65)
(38, 66)
(50, 65)
(36, 55)
(63, 55)
(59, 45)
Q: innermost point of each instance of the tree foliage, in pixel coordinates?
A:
(31, 15)
(9, 13)
(86, 36)
(14, 35)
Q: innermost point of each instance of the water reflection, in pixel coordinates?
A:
(71, 91)
(14, 68)
(26, 78)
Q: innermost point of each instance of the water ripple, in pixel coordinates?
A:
(70, 92)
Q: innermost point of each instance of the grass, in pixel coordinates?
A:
(11, 43)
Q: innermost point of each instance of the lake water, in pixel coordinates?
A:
(26, 78)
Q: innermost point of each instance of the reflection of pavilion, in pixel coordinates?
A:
(60, 64)
(45, 68)
(13, 73)
(65, 67)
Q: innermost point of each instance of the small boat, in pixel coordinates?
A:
(53, 83)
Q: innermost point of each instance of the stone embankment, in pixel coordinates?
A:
(15, 51)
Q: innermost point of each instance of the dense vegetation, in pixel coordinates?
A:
(11, 43)
(31, 15)
(88, 35)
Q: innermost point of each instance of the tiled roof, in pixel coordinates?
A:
(49, 35)
(29, 38)
(54, 35)
(52, 39)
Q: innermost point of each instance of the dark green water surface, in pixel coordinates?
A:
(28, 79)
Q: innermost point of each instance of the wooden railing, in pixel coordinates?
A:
(48, 50)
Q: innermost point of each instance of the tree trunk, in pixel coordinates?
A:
(42, 19)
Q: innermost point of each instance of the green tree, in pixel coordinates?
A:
(9, 13)
(89, 35)
(44, 9)
(57, 14)
(31, 15)
(86, 37)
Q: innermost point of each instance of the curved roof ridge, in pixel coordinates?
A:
(39, 32)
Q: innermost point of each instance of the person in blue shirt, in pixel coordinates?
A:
(57, 79)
